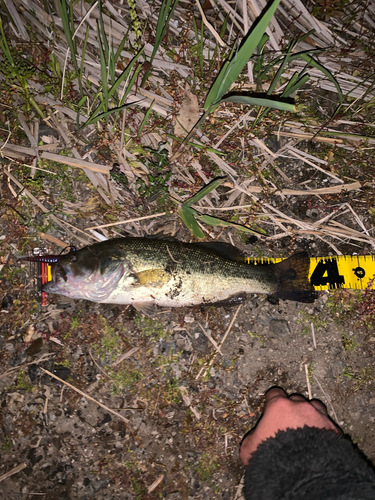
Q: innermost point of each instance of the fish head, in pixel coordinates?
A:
(83, 275)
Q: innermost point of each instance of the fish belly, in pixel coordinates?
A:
(184, 290)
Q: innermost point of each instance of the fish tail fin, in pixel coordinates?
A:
(293, 279)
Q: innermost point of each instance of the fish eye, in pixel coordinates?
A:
(73, 258)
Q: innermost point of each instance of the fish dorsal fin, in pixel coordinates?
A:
(147, 308)
(224, 249)
(161, 236)
(293, 279)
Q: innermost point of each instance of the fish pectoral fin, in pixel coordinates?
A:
(293, 279)
(146, 308)
(152, 278)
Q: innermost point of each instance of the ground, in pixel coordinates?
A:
(74, 448)
(100, 401)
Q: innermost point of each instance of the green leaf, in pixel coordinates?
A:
(295, 85)
(262, 42)
(286, 59)
(213, 94)
(82, 101)
(101, 116)
(64, 13)
(4, 44)
(269, 102)
(103, 69)
(204, 191)
(312, 62)
(93, 117)
(83, 53)
(131, 83)
(145, 118)
(214, 221)
(232, 68)
(197, 145)
(166, 10)
(187, 216)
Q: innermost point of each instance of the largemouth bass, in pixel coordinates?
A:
(150, 272)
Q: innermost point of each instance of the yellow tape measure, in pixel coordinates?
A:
(342, 271)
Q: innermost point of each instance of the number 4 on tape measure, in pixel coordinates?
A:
(343, 271)
(327, 273)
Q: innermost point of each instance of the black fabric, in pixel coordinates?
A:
(308, 464)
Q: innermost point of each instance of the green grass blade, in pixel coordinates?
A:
(262, 43)
(187, 216)
(82, 101)
(214, 91)
(83, 53)
(4, 44)
(101, 116)
(64, 14)
(204, 191)
(36, 107)
(200, 145)
(256, 100)
(230, 72)
(120, 48)
(145, 118)
(291, 82)
(266, 68)
(103, 70)
(166, 11)
(286, 59)
(102, 31)
(125, 73)
(292, 87)
(214, 221)
(312, 62)
(280, 71)
(131, 83)
(98, 95)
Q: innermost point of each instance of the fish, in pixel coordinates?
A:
(148, 273)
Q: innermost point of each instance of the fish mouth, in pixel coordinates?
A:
(59, 277)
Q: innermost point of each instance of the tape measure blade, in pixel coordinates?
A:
(335, 271)
(342, 271)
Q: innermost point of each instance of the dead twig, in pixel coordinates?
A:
(328, 399)
(308, 381)
(211, 339)
(155, 484)
(127, 221)
(15, 470)
(44, 357)
(125, 356)
(220, 344)
(313, 334)
(84, 394)
(187, 401)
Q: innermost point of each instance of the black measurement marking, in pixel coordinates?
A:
(359, 272)
(327, 273)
